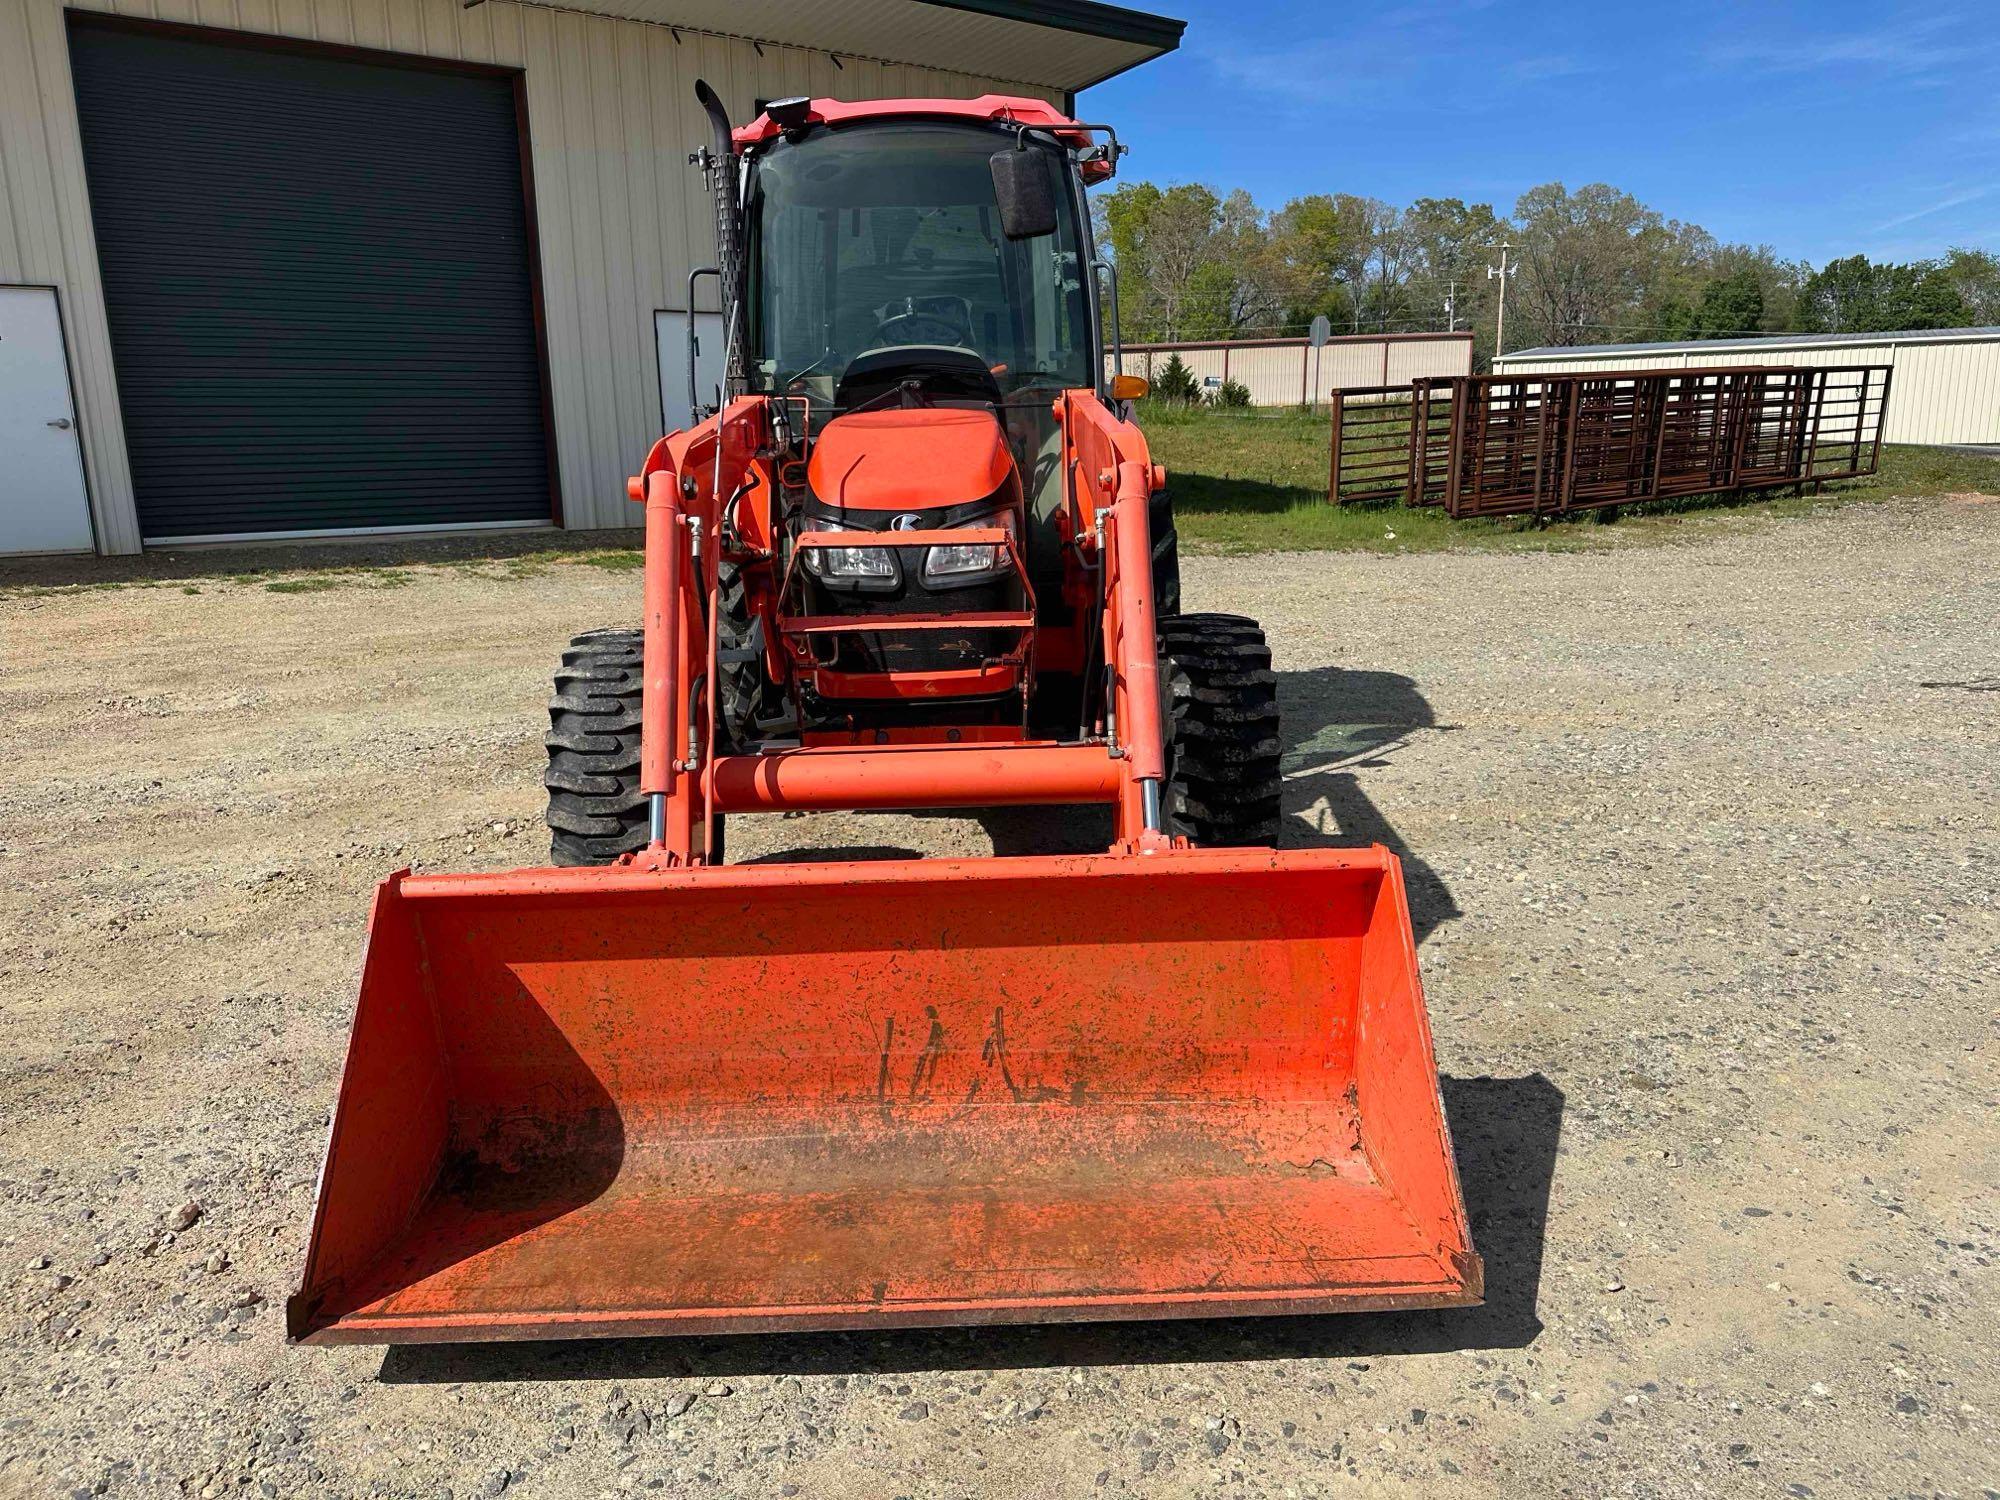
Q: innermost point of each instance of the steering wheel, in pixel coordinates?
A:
(918, 328)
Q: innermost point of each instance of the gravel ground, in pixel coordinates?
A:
(1703, 854)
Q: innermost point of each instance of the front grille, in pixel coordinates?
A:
(911, 651)
(914, 650)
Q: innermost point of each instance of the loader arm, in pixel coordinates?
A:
(1109, 478)
(687, 481)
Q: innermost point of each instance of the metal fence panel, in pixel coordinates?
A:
(1550, 443)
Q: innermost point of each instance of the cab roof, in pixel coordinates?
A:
(987, 108)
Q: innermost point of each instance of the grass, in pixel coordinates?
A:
(1255, 481)
(335, 578)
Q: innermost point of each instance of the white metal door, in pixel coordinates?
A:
(670, 339)
(43, 504)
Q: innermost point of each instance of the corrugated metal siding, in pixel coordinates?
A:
(1349, 366)
(1428, 361)
(318, 278)
(1273, 376)
(1940, 392)
(621, 214)
(1290, 373)
(45, 237)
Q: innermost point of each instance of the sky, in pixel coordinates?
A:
(1820, 129)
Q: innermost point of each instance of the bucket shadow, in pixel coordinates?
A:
(1085, 829)
(832, 854)
(1336, 724)
(1505, 1133)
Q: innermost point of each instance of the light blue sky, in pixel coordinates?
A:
(1820, 129)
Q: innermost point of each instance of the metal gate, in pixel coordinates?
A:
(1494, 445)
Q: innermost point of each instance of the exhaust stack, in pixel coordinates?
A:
(720, 164)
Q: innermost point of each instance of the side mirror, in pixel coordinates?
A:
(1025, 192)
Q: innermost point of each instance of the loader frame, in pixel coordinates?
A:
(720, 470)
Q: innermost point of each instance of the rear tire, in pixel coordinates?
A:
(596, 811)
(1220, 702)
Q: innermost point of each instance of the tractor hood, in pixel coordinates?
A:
(910, 459)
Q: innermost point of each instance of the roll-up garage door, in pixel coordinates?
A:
(319, 275)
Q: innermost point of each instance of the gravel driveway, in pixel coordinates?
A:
(1703, 843)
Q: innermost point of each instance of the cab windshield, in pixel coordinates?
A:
(887, 236)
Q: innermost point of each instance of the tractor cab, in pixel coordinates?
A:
(916, 295)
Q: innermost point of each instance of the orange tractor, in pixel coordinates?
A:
(917, 557)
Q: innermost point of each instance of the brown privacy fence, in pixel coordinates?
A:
(1548, 444)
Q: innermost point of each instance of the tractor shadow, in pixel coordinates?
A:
(1505, 1133)
(1338, 725)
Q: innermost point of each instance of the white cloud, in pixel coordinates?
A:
(1914, 46)
(1950, 200)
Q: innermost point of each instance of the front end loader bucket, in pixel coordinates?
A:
(753, 1098)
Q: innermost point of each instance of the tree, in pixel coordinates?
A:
(1677, 318)
(1681, 262)
(1161, 240)
(1727, 305)
(1258, 289)
(1365, 224)
(1843, 296)
(1857, 295)
(1596, 266)
(1450, 242)
(1732, 304)
(1174, 384)
(1975, 276)
(1588, 259)
(1308, 245)
(1192, 264)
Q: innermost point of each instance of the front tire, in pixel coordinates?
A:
(1220, 704)
(596, 811)
(747, 700)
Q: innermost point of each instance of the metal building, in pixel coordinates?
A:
(1290, 372)
(294, 267)
(1946, 387)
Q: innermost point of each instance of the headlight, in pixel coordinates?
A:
(851, 567)
(963, 562)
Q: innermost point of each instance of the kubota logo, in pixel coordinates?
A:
(907, 522)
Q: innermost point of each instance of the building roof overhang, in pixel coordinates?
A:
(1062, 45)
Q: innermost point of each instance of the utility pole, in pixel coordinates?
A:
(1451, 306)
(1500, 273)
